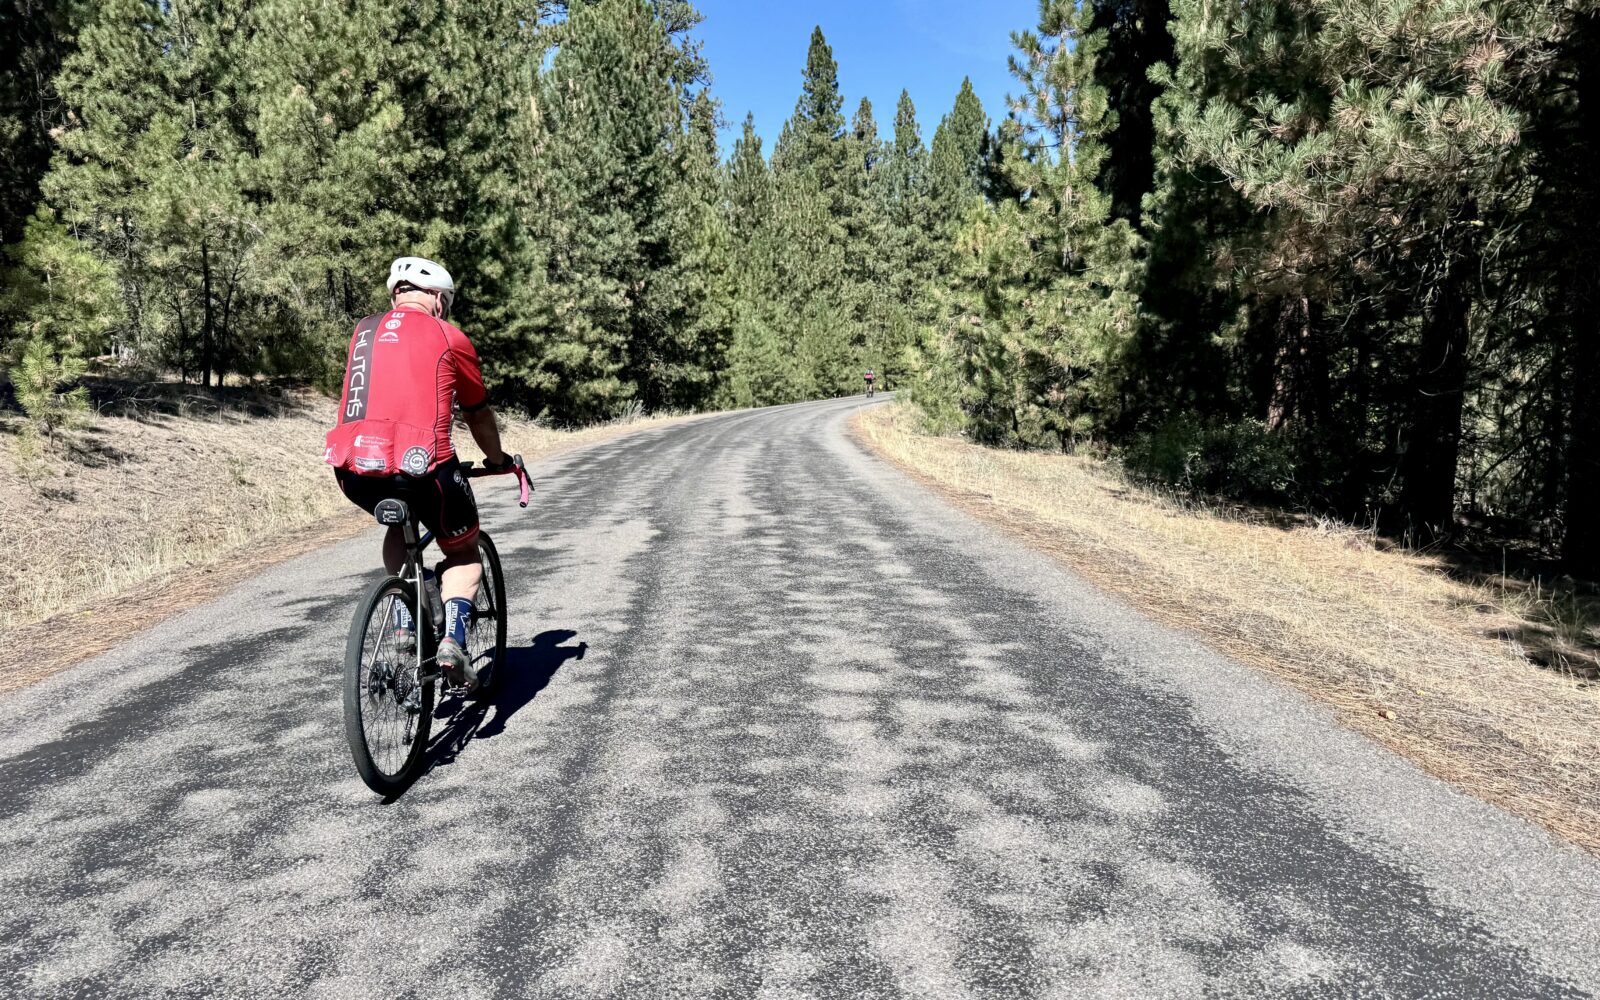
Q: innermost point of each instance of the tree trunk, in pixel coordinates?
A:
(208, 323)
(183, 339)
(1280, 401)
(1433, 441)
(1580, 547)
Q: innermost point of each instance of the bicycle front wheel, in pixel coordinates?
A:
(387, 706)
(488, 636)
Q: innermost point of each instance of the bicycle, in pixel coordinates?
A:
(389, 689)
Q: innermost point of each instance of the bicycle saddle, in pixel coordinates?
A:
(392, 511)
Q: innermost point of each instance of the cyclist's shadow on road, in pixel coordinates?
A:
(527, 671)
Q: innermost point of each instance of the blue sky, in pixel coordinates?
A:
(757, 51)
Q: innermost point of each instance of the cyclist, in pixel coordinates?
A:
(405, 367)
(869, 377)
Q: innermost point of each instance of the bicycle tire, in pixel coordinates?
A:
(491, 593)
(378, 680)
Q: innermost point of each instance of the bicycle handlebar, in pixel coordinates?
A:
(474, 471)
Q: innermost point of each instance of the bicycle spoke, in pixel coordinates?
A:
(388, 724)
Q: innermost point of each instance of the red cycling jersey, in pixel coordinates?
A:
(404, 368)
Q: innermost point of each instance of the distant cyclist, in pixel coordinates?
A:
(869, 377)
(405, 368)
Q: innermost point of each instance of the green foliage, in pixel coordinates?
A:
(1043, 303)
(1203, 458)
(43, 380)
(816, 249)
(619, 295)
(960, 148)
(39, 34)
(61, 293)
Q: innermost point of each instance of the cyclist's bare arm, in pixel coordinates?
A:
(487, 433)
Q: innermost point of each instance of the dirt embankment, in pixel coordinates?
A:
(170, 495)
(1470, 681)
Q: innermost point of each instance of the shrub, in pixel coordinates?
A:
(43, 383)
(1242, 460)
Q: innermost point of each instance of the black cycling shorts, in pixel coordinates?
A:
(442, 500)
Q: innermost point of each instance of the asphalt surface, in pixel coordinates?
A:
(778, 723)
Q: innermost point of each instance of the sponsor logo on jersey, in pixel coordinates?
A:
(371, 464)
(415, 461)
(359, 375)
(393, 324)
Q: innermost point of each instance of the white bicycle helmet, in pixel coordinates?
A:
(425, 274)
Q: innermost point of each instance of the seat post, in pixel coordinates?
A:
(395, 513)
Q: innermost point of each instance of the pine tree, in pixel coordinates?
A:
(1378, 144)
(41, 33)
(347, 170)
(866, 226)
(158, 170)
(811, 140)
(1132, 39)
(63, 294)
(906, 166)
(757, 363)
(1044, 280)
(960, 154)
(611, 318)
(688, 299)
(749, 186)
(43, 379)
(819, 235)
(1563, 108)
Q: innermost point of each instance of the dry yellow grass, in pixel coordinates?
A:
(1402, 651)
(174, 495)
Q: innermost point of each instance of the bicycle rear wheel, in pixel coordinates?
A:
(487, 636)
(387, 712)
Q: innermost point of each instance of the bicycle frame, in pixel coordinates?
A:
(411, 573)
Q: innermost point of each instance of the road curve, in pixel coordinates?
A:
(779, 724)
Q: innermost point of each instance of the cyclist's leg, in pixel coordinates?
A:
(366, 492)
(451, 513)
(454, 514)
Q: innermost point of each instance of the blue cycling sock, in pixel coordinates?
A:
(402, 615)
(457, 615)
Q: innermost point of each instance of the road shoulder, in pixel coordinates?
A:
(1525, 884)
(1400, 653)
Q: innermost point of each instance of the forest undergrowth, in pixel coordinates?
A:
(1487, 681)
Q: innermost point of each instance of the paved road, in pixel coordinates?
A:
(779, 724)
